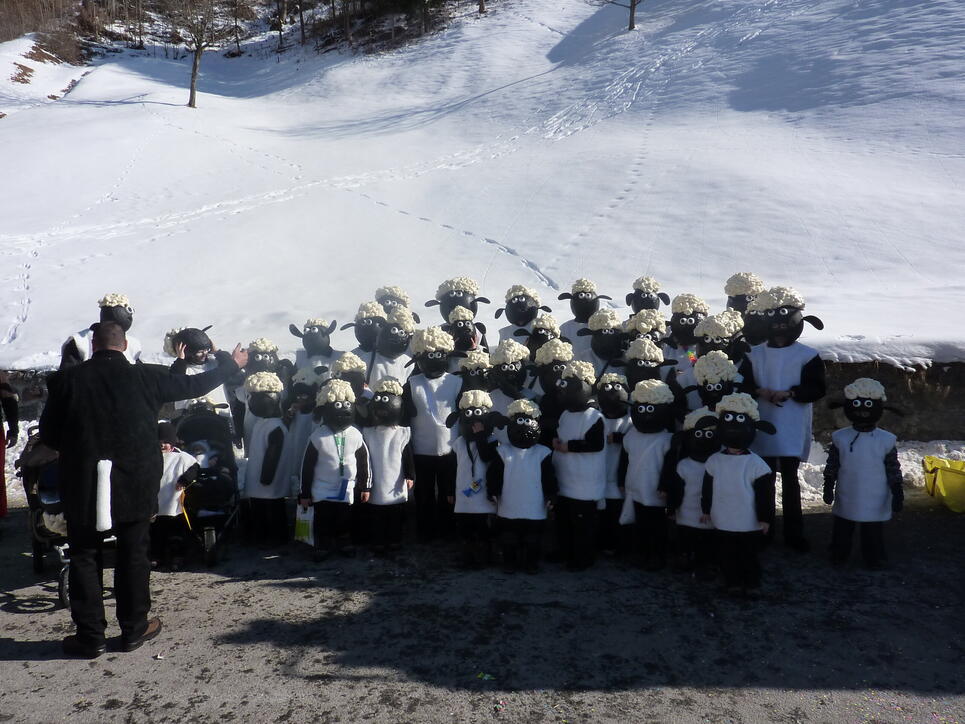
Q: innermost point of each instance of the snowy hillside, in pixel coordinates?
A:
(818, 143)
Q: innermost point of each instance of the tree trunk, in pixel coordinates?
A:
(425, 16)
(301, 19)
(633, 15)
(482, 6)
(195, 67)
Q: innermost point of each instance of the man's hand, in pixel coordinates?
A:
(764, 526)
(181, 350)
(779, 396)
(304, 502)
(705, 519)
(240, 355)
(364, 496)
(560, 446)
(451, 499)
(409, 483)
(12, 436)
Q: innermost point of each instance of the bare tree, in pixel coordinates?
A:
(239, 10)
(482, 6)
(633, 15)
(203, 25)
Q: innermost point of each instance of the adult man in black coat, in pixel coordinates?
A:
(107, 409)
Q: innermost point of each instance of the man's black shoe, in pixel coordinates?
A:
(77, 647)
(152, 630)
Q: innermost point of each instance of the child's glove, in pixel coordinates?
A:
(828, 495)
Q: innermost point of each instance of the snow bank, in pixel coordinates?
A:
(31, 77)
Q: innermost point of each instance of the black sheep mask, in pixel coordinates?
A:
(336, 414)
(537, 338)
(640, 299)
(261, 360)
(448, 299)
(476, 378)
(523, 431)
(607, 343)
(303, 396)
(197, 344)
(473, 415)
(735, 429)
(316, 337)
(508, 377)
(521, 308)
(712, 393)
(385, 408)
(706, 343)
(549, 375)
(366, 331)
(864, 412)
(785, 325)
(356, 378)
(390, 302)
(574, 393)
(755, 327)
(463, 333)
(702, 442)
(433, 364)
(121, 314)
(264, 404)
(393, 340)
(683, 326)
(612, 397)
(649, 417)
(739, 302)
(584, 303)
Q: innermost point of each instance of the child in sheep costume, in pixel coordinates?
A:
(393, 466)
(367, 323)
(461, 292)
(612, 394)
(169, 528)
(523, 481)
(687, 311)
(507, 377)
(551, 360)
(522, 306)
(394, 297)
(645, 323)
(741, 289)
(391, 358)
(113, 308)
(646, 469)
(316, 337)
(267, 481)
(474, 370)
(472, 505)
(262, 357)
(736, 496)
(300, 418)
(194, 354)
(584, 303)
(429, 397)
(545, 329)
(646, 294)
(695, 537)
(335, 469)
(605, 331)
(786, 377)
(716, 377)
(351, 368)
(580, 463)
(862, 477)
(723, 332)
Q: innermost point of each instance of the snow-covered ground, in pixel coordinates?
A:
(815, 142)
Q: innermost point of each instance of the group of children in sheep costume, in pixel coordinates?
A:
(613, 424)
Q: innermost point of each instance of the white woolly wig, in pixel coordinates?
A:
(646, 320)
(315, 322)
(475, 398)
(644, 348)
(169, 349)
(462, 284)
(334, 391)
(603, 319)
(370, 310)
(714, 367)
(395, 292)
(865, 388)
(306, 376)
(431, 339)
(388, 386)
(265, 346)
(403, 319)
(739, 403)
(744, 284)
(518, 290)
(580, 370)
(692, 418)
(475, 359)
(647, 285)
(264, 382)
(652, 392)
(777, 297)
(554, 351)
(689, 304)
(723, 325)
(114, 300)
(509, 351)
(547, 321)
(583, 285)
(523, 407)
(460, 314)
(348, 362)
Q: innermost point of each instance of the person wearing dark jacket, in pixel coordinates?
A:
(8, 411)
(101, 416)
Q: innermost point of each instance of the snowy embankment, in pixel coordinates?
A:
(816, 143)
(30, 76)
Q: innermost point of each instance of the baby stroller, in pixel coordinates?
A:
(211, 503)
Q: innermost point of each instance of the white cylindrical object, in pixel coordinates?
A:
(104, 521)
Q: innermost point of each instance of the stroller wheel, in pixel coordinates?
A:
(63, 586)
(210, 551)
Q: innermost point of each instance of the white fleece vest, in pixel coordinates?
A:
(862, 493)
(645, 453)
(581, 476)
(611, 426)
(779, 368)
(691, 473)
(385, 444)
(471, 493)
(296, 442)
(175, 463)
(330, 484)
(581, 345)
(733, 508)
(522, 496)
(281, 483)
(434, 399)
(381, 366)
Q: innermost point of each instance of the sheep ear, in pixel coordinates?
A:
(617, 363)
(458, 354)
(894, 410)
(320, 369)
(545, 308)
(410, 362)
(565, 339)
(499, 419)
(452, 418)
(690, 388)
(836, 404)
(347, 325)
(629, 298)
(482, 300)
(664, 297)
(331, 327)
(445, 328)
(221, 406)
(521, 333)
(766, 427)
(207, 328)
(814, 321)
(416, 318)
(295, 330)
(499, 313)
(565, 295)
(668, 363)
(432, 303)
(585, 332)
(481, 327)
(604, 296)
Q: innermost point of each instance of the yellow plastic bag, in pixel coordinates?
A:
(305, 524)
(945, 480)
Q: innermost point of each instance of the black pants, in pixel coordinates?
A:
(476, 536)
(576, 531)
(386, 523)
(695, 546)
(793, 517)
(268, 521)
(435, 479)
(611, 536)
(872, 540)
(738, 558)
(522, 541)
(651, 534)
(332, 525)
(169, 535)
(132, 577)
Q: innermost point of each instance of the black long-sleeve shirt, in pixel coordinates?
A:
(593, 441)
